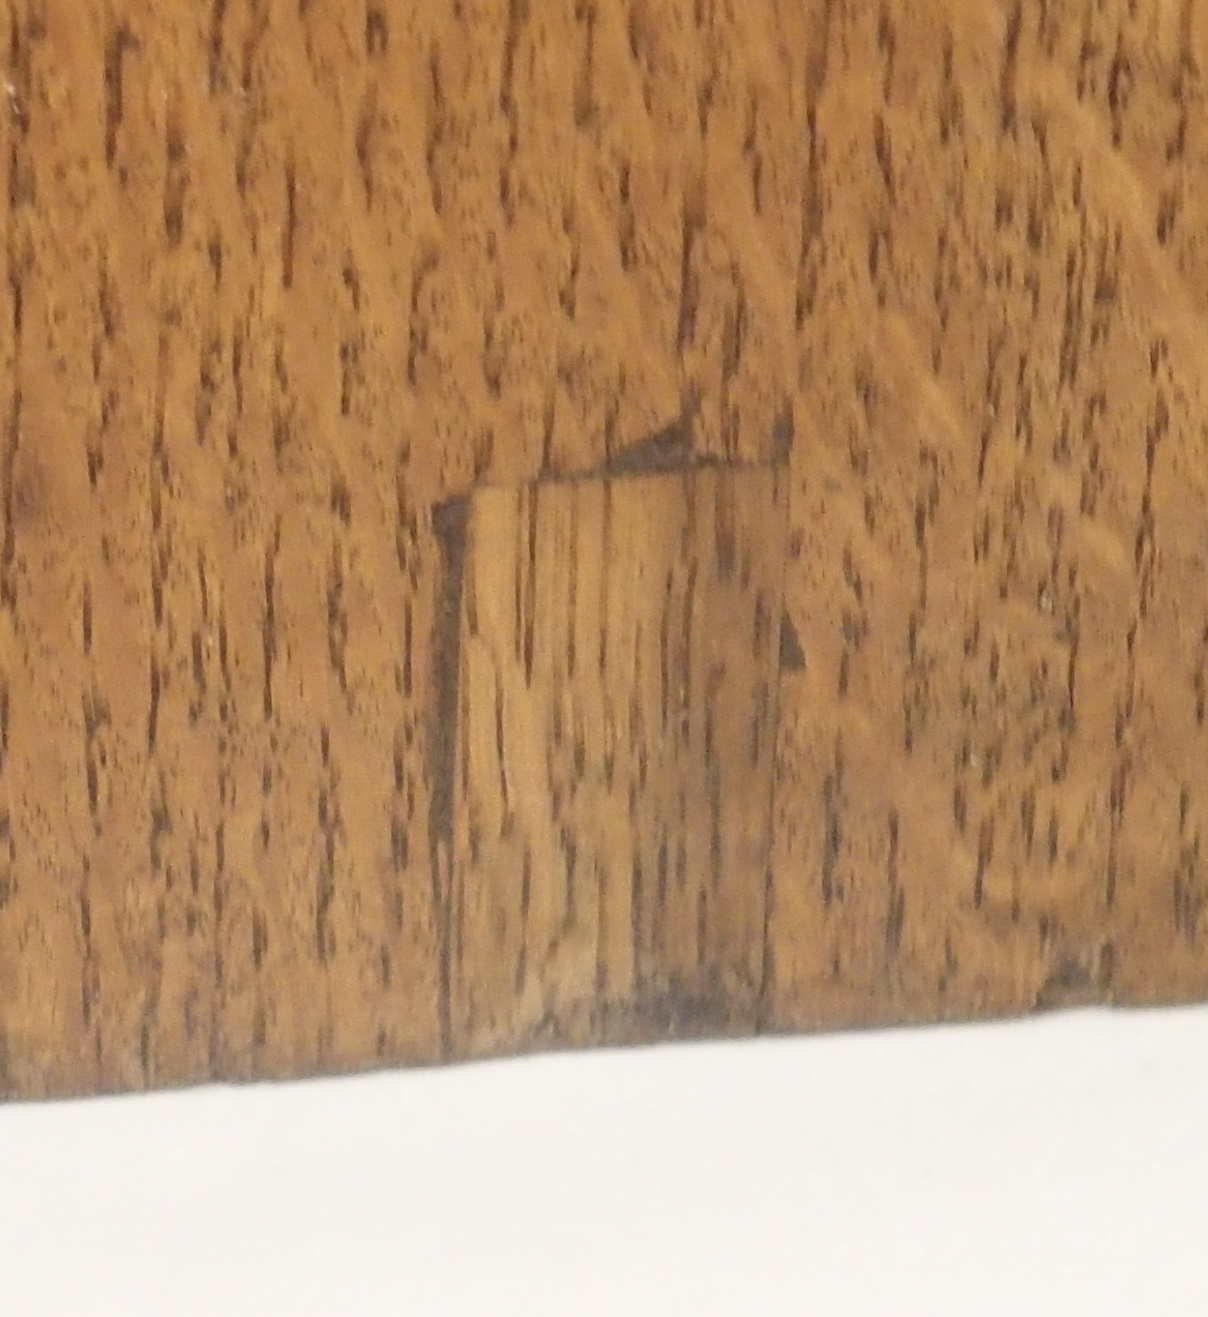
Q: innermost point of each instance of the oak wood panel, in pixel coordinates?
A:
(333, 331)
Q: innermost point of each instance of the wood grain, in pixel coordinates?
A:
(542, 522)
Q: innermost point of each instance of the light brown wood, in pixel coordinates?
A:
(531, 522)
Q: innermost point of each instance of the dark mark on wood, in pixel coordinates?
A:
(450, 524)
(792, 656)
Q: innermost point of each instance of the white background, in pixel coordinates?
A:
(1058, 1165)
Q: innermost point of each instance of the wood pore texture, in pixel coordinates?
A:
(544, 522)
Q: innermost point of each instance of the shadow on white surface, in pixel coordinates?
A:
(1054, 1165)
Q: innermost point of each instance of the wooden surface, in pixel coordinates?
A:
(532, 522)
